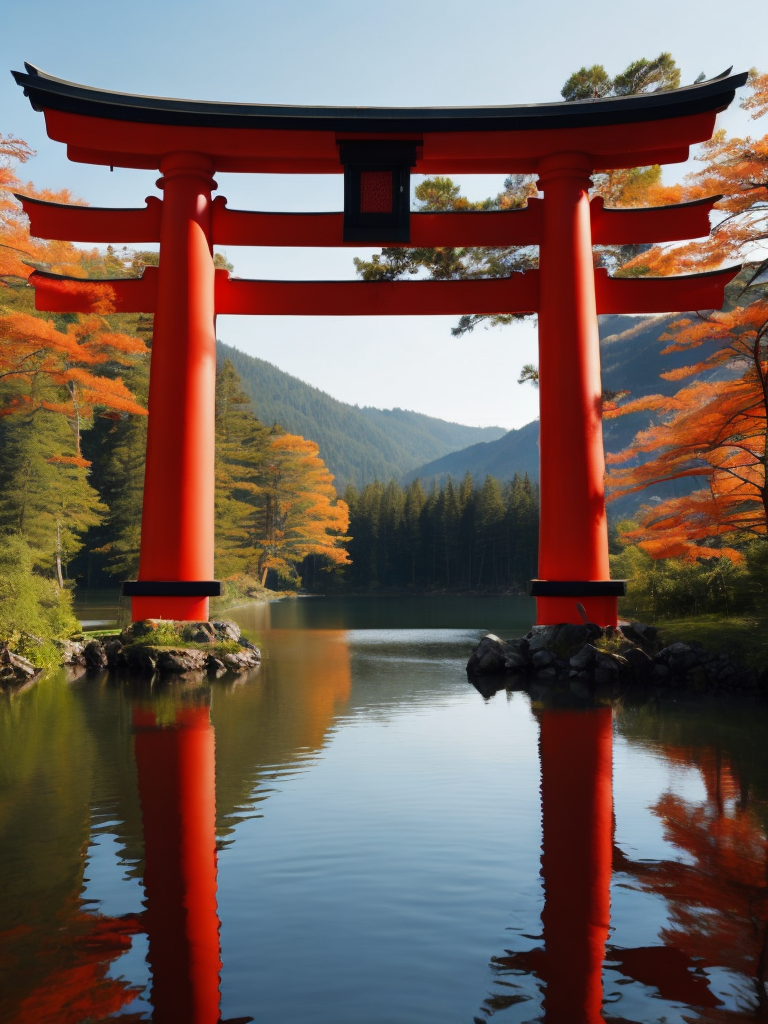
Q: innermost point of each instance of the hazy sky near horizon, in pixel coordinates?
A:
(338, 52)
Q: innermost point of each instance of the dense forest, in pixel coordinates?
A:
(459, 536)
(73, 420)
(358, 444)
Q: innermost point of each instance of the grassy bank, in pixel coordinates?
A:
(743, 637)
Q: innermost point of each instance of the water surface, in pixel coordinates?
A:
(352, 833)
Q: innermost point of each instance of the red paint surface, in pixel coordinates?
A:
(176, 775)
(76, 295)
(375, 191)
(177, 535)
(518, 293)
(93, 223)
(500, 227)
(130, 144)
(616, 226)
(573, 530)
(577, 816)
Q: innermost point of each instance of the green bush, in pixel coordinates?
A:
(34, 611)
(673, 587)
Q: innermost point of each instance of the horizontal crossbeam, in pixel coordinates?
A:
(615, 226)
(57, 294)
(428, 230)
(515, 294)
(93, 223)
(662, 294)
(467, 228)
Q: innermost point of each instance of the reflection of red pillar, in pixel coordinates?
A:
(176, 771)
(576, 798)
(177, 519)
(573, 532)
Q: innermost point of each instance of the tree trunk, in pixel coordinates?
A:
(59, 576)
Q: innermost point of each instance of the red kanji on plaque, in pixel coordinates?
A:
(375, 192)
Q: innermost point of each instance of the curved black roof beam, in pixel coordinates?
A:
(46, 92)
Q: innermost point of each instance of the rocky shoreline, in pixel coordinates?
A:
(152, 647)
(583, 657)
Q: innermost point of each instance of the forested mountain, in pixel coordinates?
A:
(631, 360)
(358, 445)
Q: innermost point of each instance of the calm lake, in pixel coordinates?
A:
(352, 834)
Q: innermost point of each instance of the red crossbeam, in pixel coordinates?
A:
(661, 294)
(515, 294)
(469, 228)
(93, 223)
(612, 226)
(57, 294)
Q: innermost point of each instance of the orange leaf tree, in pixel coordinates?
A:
(301, 514)
(56, 373)
(715, 426)
(275, 500)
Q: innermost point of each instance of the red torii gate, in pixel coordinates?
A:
(375, 148)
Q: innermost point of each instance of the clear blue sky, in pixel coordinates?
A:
(339, 52)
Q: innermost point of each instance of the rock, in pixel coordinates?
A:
(176, 661)
(214, 666)
(95, 655)
(16, 671)
(489, 657)
(679, 657)
(140, 629)
(225, 630)
(140, 659)
(640, 663)
(542, 655)
(629, 632)
(539, 637)
(241, 661)
(198, 633)
(71, 652)
(516, 661)
(609, 668)
(112, 645)
(250, 647)
(584, 659)
(542, 660)
(570, 635)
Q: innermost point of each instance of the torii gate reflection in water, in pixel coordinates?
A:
(376, 149)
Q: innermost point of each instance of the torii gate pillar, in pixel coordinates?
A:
(177, 534)
(573, 531)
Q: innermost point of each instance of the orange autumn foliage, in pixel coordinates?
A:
(33, 348)
(715, 426)
(302, 514)
(717, 893)
(75, 961)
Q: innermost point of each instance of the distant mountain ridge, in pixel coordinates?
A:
(358, 445)
(630, 349)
